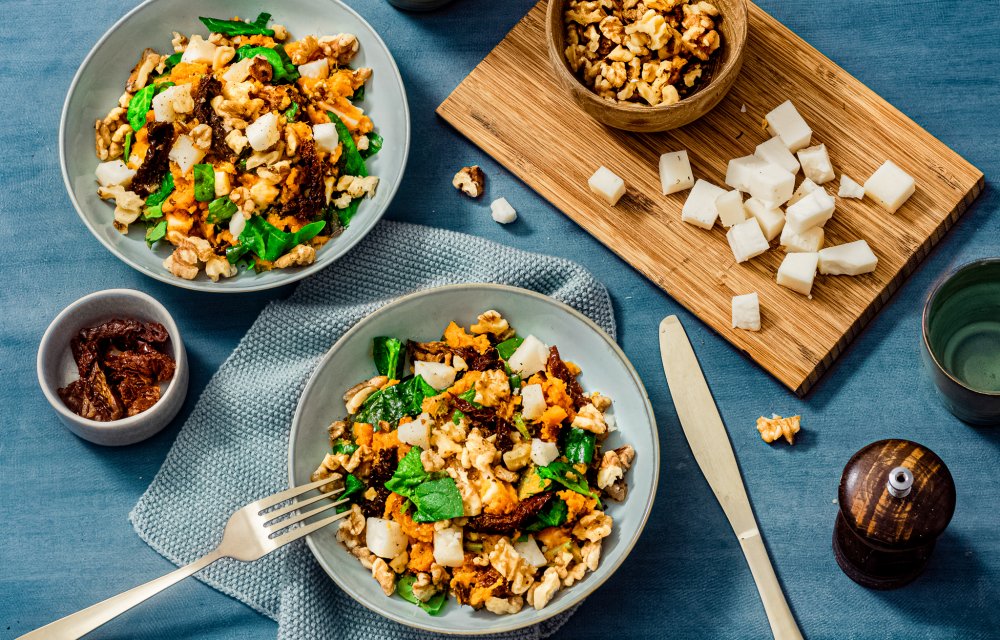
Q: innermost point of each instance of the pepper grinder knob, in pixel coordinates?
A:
(896, 497)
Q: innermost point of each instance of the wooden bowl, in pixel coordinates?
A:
(632, 116)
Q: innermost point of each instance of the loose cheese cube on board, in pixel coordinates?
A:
(772, 185)
(851, 259)
(785, 122)
(730, 208)
(816, 164)
(739, 171)
(607, 185)
(775, 152)
(675, 172)
(797, 272)
(770, 219)
(849, 188)
(699, 208)
(807, 187)
(811, 211)
(746, 312)
(502, 212)
(747, 240)
(808, 241)
(890, 186)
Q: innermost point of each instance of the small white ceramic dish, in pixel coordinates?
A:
(423, 316)
(56, 367)
(100, 82)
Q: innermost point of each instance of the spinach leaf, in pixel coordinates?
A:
(521, 427)
(470, 397)
(386, 353)
(292, 111)
(282, 69)
(567, 476)
(306, 233)
(579, 445)
(552, 515)
(433, 606)
(221, 210)
(172, 61)
(156, 232)
(437, 500)
(515, 381)
(359, 95)
(347, 214)
(507, 348)
(238, 28)
(409, 474)
(392, 403)
(354, 164)
(127, 149)
(139, 105)
(374, 145)
(343, 445)
(155, 200)
(352, 487)
(204, 182)
(270, 242)
(235, 253)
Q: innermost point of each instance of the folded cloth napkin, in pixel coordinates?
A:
(233, 447)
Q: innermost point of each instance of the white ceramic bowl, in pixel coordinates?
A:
(100, 81)
(423, 316)
(56, 367)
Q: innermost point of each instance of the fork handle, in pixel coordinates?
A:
(83, 622)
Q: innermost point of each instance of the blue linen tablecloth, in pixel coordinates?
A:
(67, 541)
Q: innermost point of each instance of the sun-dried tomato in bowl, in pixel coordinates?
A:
(121, 364)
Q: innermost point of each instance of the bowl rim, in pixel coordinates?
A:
(47, 345)
(731, 65)
(583, 589)
(925, 320)
(200, 285)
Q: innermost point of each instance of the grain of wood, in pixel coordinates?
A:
(554, 147)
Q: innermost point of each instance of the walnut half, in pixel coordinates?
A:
(469, 180)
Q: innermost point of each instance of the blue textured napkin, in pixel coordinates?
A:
(233, 447)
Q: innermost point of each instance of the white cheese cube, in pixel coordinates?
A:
(607, 185)
(223, 185)
(747, 240)
(811, 211)
(770, 219)
(236, 224)
(730, 208)
(772, 185)
(502, 211)
(816, 164)
(325, 136)
(849, 188)
(437, 374)
(532, 402)
(385, 538)
(851, 259)
(890, 186)
(112, 173)
(807, 187)
(185, 153)
(448, 551)
(417, 432)
(797, 272)
(263, 132)
(317, 69)
(746, 312)
(785, 122)
(675, 172)
(198, 50)
(529, 358)
(171, 102)
(775, 152)
(699, 208)
(528, 549)
(740, 170)
(542, 453)
(239, 71)
(808, 241)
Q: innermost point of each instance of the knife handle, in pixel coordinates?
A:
(779, 616)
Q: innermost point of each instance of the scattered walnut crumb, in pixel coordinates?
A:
(776, 427)
(469, 180)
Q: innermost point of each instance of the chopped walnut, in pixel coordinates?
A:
(384, 576)
(140, 74)
(356, 395)
(179, 42)
(518, 457)
(128, 205)
(201, 135)
(594, 526)
(300, 255)
(492, 387)
(542, 591)
(340, 48)
(356, 186)
(777, 427)
(501, 606)
(610, 470)
(591, 554)
(590, 419)
(491, 322)
(218, 267)
(423, 587)
(236, 141)
(469, 180)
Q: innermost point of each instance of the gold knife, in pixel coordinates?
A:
(709, 442)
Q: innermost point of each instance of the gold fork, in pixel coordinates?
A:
(250, 534)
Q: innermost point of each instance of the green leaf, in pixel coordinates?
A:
(347, 214)
(204, 182)
(552, 515)
(343, 445)
(238, 28)
(270, 242)
(127, 150)
(392, 403)
(437, 500)
(352, 488)
(386, 352)
(409, 474)
(374, 145)
(156, 232)
(235, 253)
(282, 69)
(221, 210)
(507, 348)
(172, 61)
(515, 381)
(354, 164)
(470, 397)
(579, 445)
(567, 476)
(521, 427)
(292, 111)
(307, 233)
(139, 105)
(161, 194)
(433, 606)
(359, 95)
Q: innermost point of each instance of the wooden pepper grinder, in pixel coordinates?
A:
(896, 498)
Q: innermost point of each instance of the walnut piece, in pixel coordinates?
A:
(469, 180)
(777, 427)
(384, 576)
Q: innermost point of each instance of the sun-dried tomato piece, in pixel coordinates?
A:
(557, 368)
(505, 523)
(487, 420)
(156, 162)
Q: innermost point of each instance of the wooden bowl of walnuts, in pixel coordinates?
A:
(650, 65)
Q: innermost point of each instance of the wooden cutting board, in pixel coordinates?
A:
(511, 106)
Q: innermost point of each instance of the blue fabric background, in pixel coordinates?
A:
(67, 542)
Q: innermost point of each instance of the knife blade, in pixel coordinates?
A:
(709, 441)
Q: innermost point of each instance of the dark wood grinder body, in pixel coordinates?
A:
(896, 498)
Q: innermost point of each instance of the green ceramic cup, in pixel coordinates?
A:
(961, 335)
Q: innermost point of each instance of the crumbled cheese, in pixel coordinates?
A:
(890, 186)
(113, 173)
(502, 212)
(849, 188)
(811, 211)
(775, 152)
(746, 312)
(807, 187)
(730, 208)
(607, 185)
(816, 164)
(740, 170)
(699, 208)
(675, 172)
(851, 259)
(785, 122)
(771, 220)
(797, 272)
(808, 241)
(747, 240)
